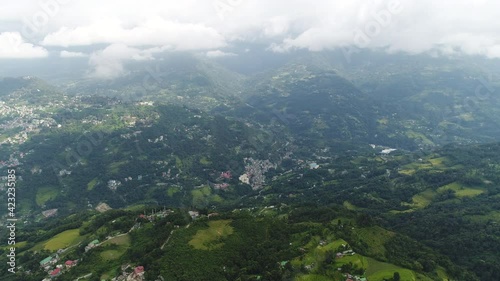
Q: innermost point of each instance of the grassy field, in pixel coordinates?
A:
(491, 216)
(114, 168)
(92, 184)
(61, 240)
(123, 240)
(376, 237)
(420, 136)
(110, 255)
(426, 164)
(18, 245)
(171, 191)
(331, 246)
(378, 271)
(123, 243)
(138, 207)
(202, 196)
(208, 239)
(460, 190)
(350, 206)
(357, 260)
(46, 193)
(419, 201)
(312, 277)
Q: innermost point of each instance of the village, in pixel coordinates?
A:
(55, 264)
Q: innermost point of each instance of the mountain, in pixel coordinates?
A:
(402, 150)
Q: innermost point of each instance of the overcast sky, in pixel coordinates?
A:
(109, 32)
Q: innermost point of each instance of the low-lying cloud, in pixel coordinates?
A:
(149, 27)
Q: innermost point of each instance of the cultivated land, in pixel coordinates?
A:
(209, 239)
(62, 240)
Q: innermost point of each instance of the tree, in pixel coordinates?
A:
(396, 276)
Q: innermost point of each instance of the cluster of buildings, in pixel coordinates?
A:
(350, 277)
(24, 117)
(114, 184)
(52, 266)
(156, 215)
(129, 274)
(92, 245)
(254, 172)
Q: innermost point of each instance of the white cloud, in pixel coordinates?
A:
(153, 32)
(441, 27)
(219, 53)
(12, 46)
(109, 62)
(68, 54)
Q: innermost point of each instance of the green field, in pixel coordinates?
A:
(123, 243)
(92, 184)
(312, 277)
(493, 216)
(209, 239)
(460, 190)
(378, 271)
(171, 191)
(376, 237)
(46, 193)
(349, 206)
(202, 196)
(122, 240)
(114, 168)
(17, 245)
(112, 254)
(423, 199)
(430, 163)
(62, 240)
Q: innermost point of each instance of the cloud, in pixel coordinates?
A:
(67, 54)
(219, 53)
(12, 46)
(414, 26)
(109, 62)
(153, 32)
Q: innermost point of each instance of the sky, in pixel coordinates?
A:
(108, 33)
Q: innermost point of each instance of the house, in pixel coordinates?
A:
(226, 175)
(91, 245)
(194, 214)
(138, 270)
(70, 263)
(55, 272)
(49, 213)
(313, 166)
(213, 215)
(46, 261)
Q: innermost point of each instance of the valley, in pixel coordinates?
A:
(305, 171)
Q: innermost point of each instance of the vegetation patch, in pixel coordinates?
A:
(460, 190)
(45, 194)
(379, 271)
(91, 185)
(312, 277)
(122, 240)
(356, 260)
(211, 238)
(171, 191)
(376, 237)
(349, 206)
(112, 254)
(423, 199)
(63, 240)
